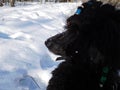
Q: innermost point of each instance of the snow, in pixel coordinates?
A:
(25, 62)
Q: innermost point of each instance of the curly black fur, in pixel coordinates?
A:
(90, 43)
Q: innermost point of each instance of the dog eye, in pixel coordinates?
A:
(68, 23)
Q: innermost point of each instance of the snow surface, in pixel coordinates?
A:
(25, 62)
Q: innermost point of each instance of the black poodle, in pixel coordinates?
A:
(90, 47)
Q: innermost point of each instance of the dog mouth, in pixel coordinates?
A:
(60, 58)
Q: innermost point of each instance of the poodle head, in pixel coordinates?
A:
(59, 43)
(91, 33)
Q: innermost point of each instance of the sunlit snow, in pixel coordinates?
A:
(25, 62)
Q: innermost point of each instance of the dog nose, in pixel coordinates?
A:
(48, 42)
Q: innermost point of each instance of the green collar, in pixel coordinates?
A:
(103, 78)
